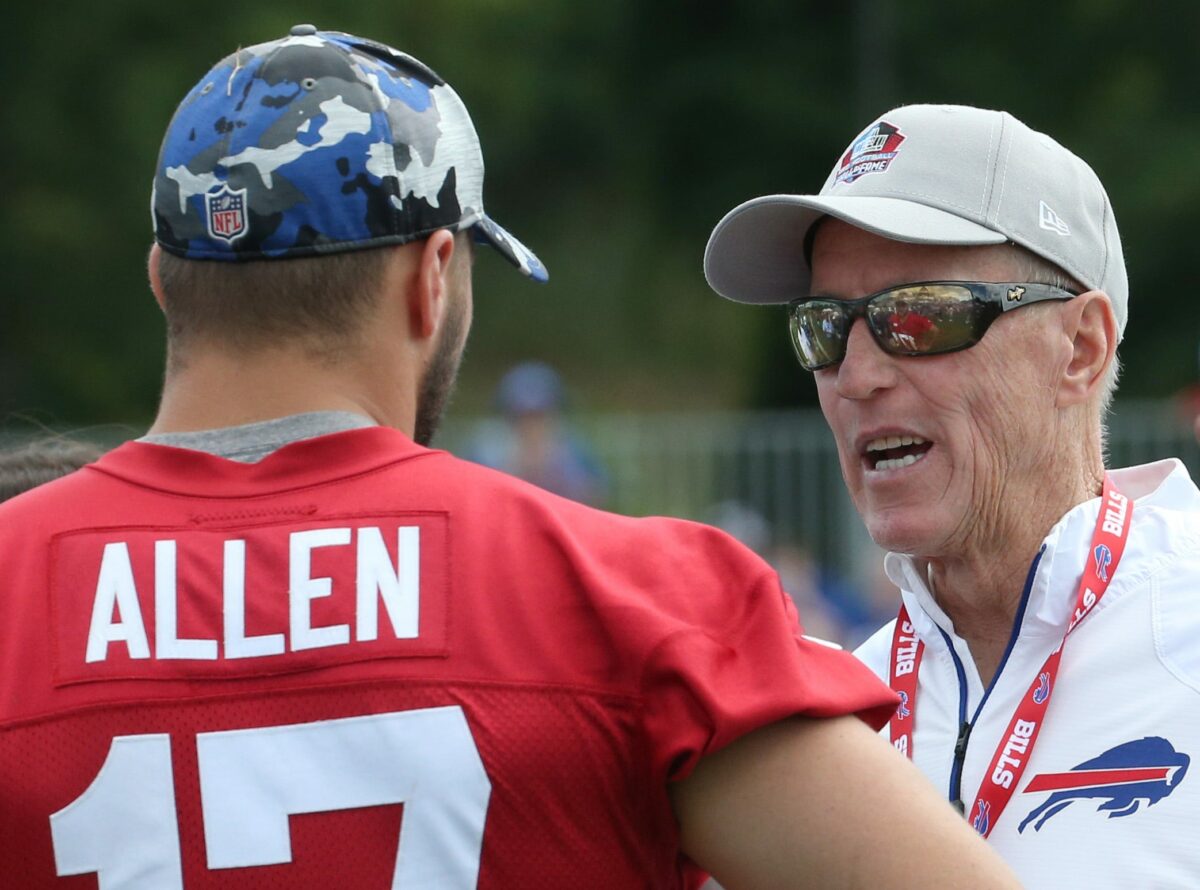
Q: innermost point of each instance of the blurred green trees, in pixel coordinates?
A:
(616, 134)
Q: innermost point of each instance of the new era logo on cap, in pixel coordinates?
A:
(1050, 220)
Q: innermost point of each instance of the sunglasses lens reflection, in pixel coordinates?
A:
(924, 320)
(819, 331)
(919, 320)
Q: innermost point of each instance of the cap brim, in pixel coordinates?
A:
(488, 231)
(756, 253)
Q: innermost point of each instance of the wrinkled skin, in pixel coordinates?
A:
(1007, 458)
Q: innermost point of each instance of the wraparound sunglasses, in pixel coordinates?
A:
(926, 318)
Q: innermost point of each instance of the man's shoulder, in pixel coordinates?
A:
(56, 499)
(663, 539)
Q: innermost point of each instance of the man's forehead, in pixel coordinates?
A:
(849, 261)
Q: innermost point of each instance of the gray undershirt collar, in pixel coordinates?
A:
(251, 442)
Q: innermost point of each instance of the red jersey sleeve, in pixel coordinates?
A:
(741, 664)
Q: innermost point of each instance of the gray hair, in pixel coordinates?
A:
(1030, 267)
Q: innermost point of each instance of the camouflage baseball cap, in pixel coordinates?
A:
(317, 143)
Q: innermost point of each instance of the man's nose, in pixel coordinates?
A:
(866, 368)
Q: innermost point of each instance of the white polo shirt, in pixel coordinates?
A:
(1127, 698)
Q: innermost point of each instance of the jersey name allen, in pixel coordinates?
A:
(117, 617)
(233, 597)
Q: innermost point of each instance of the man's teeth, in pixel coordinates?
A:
(893, 442)
(898, 462)
(885, 443)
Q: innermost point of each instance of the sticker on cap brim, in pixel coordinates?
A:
(872, 152)
(512, 249)
(226, 211)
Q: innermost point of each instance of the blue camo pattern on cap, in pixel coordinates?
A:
(317, 143)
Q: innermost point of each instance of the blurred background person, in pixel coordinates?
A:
(818, 597)
(1186, 399)
(27, 466)
(534, 441)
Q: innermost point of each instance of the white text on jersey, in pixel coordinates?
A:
(117, 615)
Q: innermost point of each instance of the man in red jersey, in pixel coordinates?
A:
(278, 642)
(911, 329)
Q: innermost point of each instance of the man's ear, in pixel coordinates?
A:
(428, 296)
(1091, 327)
(155, 278)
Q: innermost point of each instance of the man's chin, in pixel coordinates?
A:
(899, 531)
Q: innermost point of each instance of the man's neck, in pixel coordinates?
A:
(980, 589)
(213, 391)
(982, 601)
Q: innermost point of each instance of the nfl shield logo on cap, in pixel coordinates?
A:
(226, 213)
(316, 143)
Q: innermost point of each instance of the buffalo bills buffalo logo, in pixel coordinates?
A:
(1043, 688)
(1122, 778)
(903, 710)
(983, 817)
(1103, 557)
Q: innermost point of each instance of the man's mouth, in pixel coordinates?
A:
(895, 452)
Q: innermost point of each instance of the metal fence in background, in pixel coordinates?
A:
(783, 467)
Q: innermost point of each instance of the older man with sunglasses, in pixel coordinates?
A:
(1047, 646)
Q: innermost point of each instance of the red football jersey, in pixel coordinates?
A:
(362, 663)
(913, 325)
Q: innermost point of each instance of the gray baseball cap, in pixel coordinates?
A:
(931, 174)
